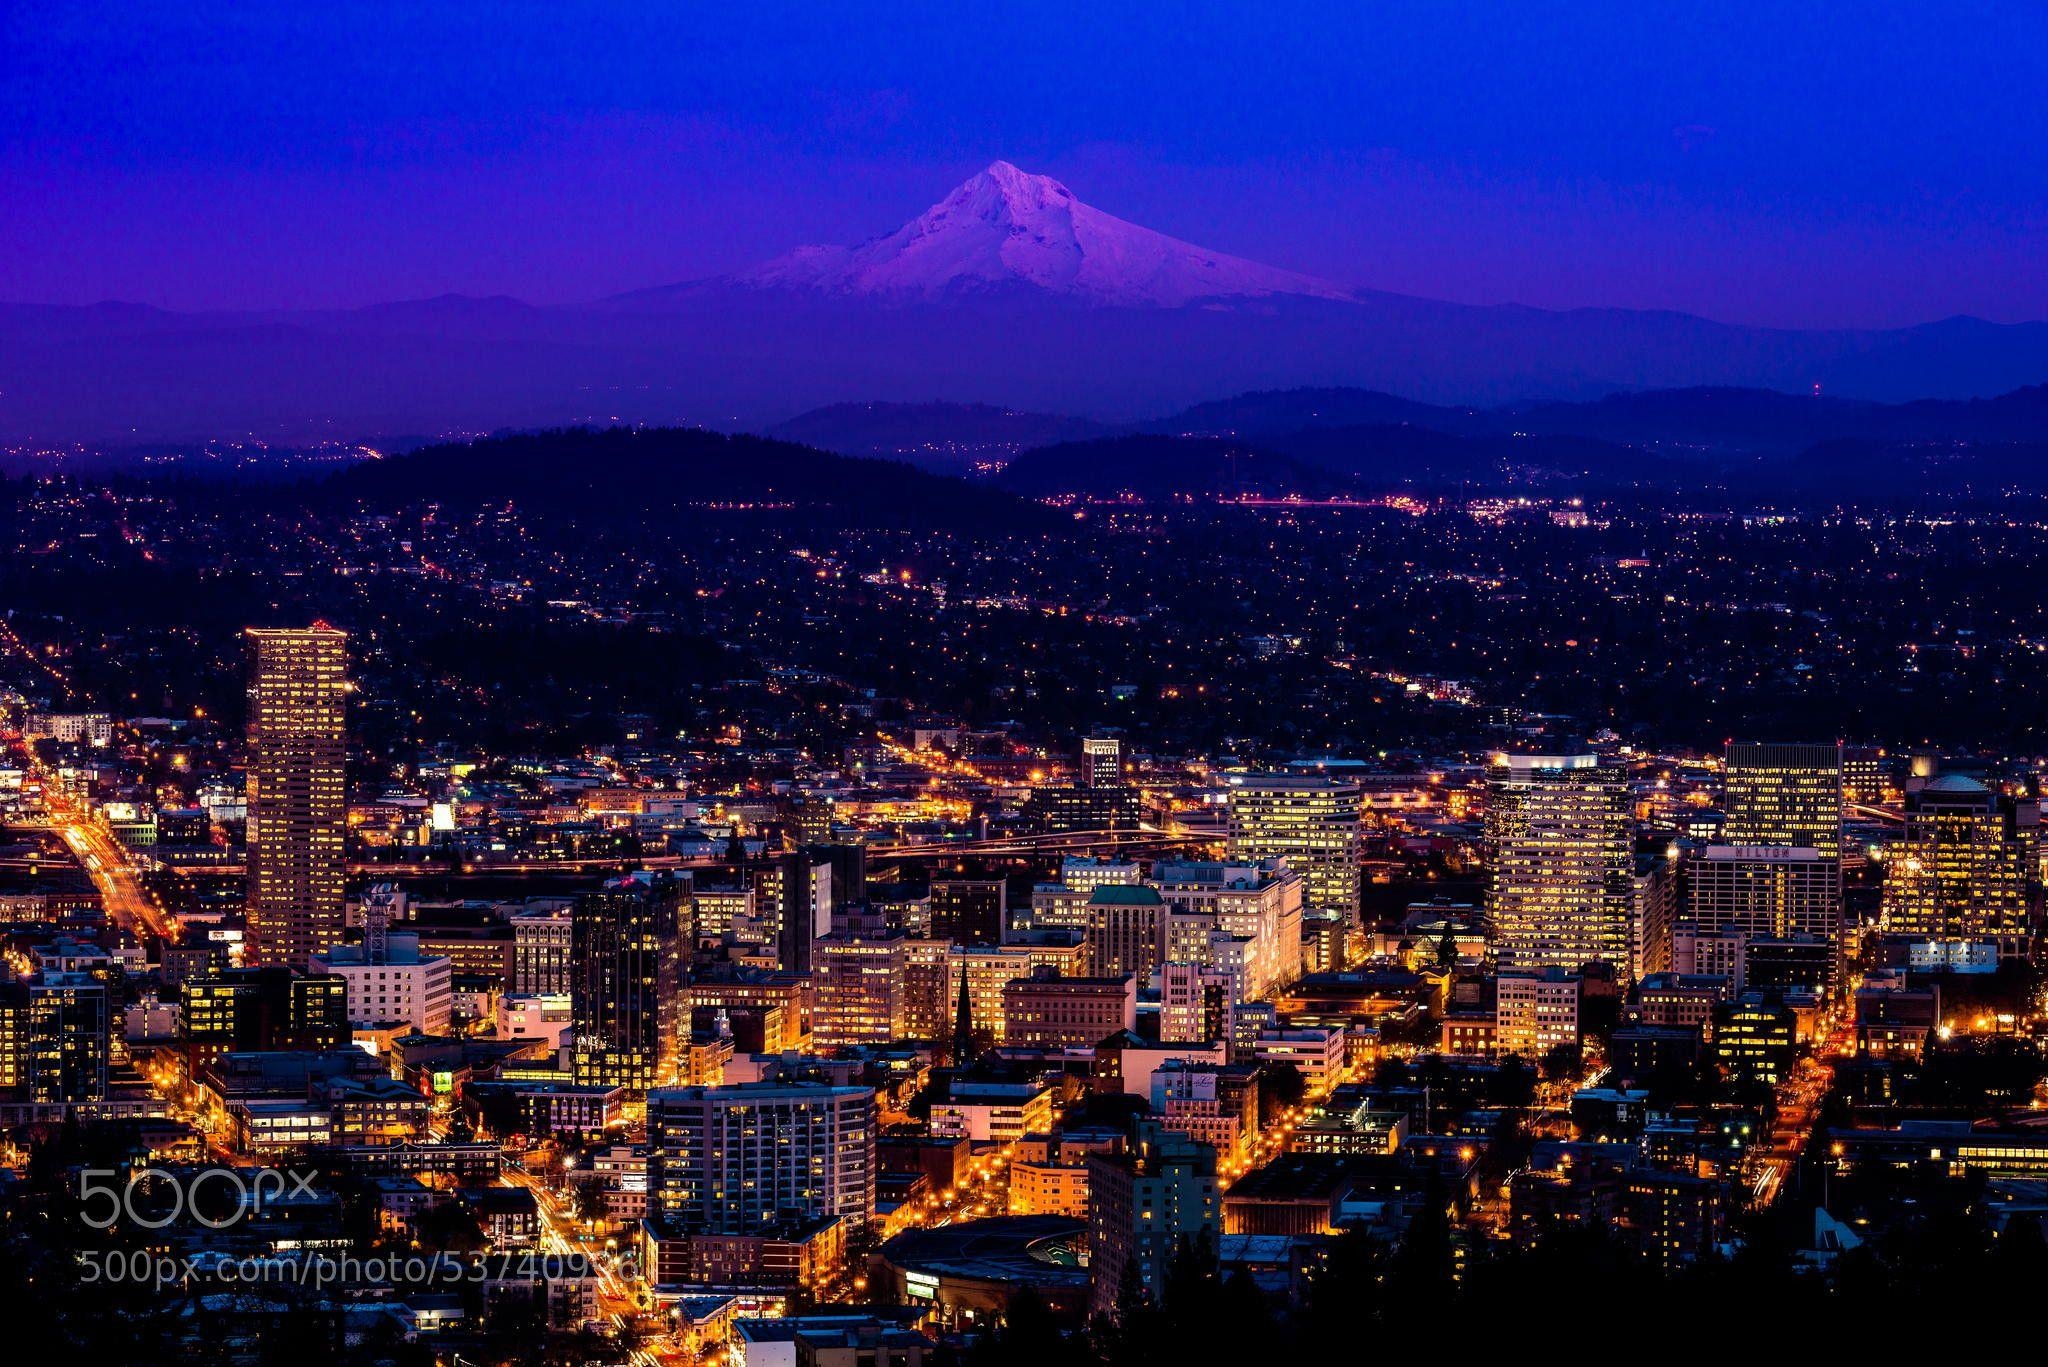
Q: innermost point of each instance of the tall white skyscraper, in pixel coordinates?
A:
(1560, 862)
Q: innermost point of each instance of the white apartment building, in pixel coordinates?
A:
(1536, 1011)
(400, 984)
(729, 1160)
(546, 1017)
(993, 1112)
(1317, 1052)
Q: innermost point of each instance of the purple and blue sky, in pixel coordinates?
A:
(1823, 164)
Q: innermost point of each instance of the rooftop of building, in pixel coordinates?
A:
(1042, 1250)
(1296, 1177)
(501, 1200)
(1125, 895)
(1061, 983)
(752, 1091)
(1550, 760)
(785, 1330)
(1750, 854)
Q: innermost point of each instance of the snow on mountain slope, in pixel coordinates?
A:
(1006, 227)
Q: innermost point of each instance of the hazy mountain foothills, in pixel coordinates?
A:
(1709, 418)
(1009, 291)
(1312, 443)
(1324, 441)
(1157, 467)
(646, 477)
(938, 436)
(1337, 462)
(649, 478)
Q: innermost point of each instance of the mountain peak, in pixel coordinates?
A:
(1008, 173)
(1006, 228)
(1016, 184)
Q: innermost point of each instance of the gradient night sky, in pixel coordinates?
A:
(1822, 164)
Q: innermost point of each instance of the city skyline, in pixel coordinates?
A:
(862, 685)
(1278, 990)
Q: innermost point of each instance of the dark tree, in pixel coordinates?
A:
(1281, 1086)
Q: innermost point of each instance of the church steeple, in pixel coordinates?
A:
(963, 1025)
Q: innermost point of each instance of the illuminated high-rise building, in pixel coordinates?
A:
(1254, 909)
(1787, 795)
(775, 1004)
(933, 970)
(1046, 1011)
(1765, 892)
(54, 1038)
(1964, 867)
(297, 790)
(1560, 862)
(389, 979)
(239, 1010)
(1062, 810)
(796, 890)
(543, 945)
(1778, 876)
(1143, 1205)
(1535, 1012)
(1102, 761)
(736, 1160)
(627, 989)
(1126, 931)
(1194, 1003)
(928, 981)
(1314, 822)
(1773, 896)
(1866, 774)
(858, 987)
(1084, 873)
(1654, 894)
(969, 911)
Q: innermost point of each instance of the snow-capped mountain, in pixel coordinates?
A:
(1009, 290)
(1004, 228)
